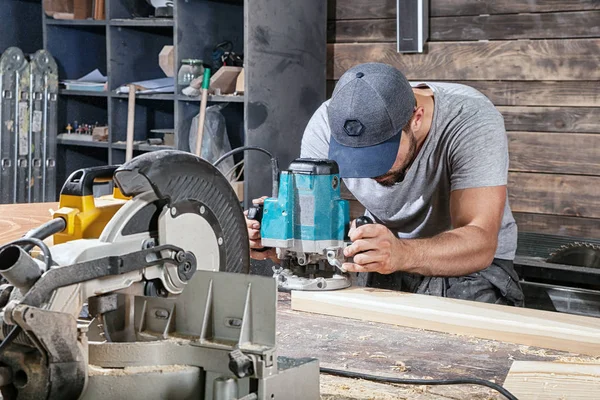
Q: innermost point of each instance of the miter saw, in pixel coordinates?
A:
(161, 266)
(307, 222)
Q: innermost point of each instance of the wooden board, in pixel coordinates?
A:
(580, 24)
(519, 60)
(510, 324)
(558, 225)
(564, 153)
(536, 380)
(18, 219)
(530, 93)
(551, 119)
(571, 195)
(363, 9)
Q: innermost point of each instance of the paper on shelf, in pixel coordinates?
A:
(94, 76)
(160, 85)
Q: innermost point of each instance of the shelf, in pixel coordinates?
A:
(142, 147)
(75, 22)
(87, 93)
(142, 22)
(82, 143)
(154, 96)
(214, 98)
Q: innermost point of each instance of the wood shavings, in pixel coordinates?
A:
(400, 366)
(378, 355)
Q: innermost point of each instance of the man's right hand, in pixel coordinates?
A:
(254, 236)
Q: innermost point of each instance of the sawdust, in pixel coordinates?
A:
(579, 360)
(540, 352)
(400, 366)
(95, 370)
(378, 355)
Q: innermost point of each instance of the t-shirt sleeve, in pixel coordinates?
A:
(479, 154)
(315, 141)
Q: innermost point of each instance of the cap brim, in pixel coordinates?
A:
(365, 162)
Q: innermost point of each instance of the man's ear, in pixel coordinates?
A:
(417, 119)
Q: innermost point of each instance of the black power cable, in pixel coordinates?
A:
(405, 381)
(274, 164)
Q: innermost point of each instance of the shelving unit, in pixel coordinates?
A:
(14, 32)
(284, 52)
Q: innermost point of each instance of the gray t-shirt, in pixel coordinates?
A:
(466, 148)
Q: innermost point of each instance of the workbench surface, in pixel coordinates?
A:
(396, 351)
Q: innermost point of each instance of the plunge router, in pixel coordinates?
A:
(307, 223)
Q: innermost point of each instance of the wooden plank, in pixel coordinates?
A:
(18, 219)
(570, 153)
(580, 24)
(530, 93)
(571, 195)
(517, 60)
(551, 119)
(558, 225)
(538, 380)
(489, 321)
(365, 9)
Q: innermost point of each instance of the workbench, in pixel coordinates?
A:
(397, 351)
(366, 347)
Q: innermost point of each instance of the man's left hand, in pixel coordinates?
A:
(375, 249)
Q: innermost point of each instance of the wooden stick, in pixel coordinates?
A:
(202, 115)
(130, 123)
(551, 330)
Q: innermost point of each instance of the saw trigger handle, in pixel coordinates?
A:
(363, 220)
(81, 182)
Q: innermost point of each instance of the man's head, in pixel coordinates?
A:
(372, 126)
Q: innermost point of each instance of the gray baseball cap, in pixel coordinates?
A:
(370, 105)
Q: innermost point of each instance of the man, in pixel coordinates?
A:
(430, 165)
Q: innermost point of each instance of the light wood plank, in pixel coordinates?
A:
(551, 119)
(18, 219)
(363, 9)
(538, 380)
(580, 24)
(509, 324)
(530, 93)
(570, 195)
(564, 59)
(569, 153)
(558, 225)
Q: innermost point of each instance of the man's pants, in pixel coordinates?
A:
(498, 283)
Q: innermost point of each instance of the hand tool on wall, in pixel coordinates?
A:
(130, 122)
(202, 116)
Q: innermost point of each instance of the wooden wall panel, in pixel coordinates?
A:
(551, 119)
(580, 24)
(364, 9)
(567, 59)
(530, 93)
(560, 153)
(558, 225)
(569, 195)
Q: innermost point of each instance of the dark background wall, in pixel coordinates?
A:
(21, 25)
(537, 60)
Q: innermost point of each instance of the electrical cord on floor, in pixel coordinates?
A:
(405, 381)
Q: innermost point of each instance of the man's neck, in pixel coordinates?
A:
(425, 99)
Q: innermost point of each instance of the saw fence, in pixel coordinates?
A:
(28, 112)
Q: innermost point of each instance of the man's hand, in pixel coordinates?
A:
(375, 249)
(254, 236)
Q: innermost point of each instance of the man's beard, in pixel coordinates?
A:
(395, 176)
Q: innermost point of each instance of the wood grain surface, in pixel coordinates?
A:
(17, 219)
(551, 119)
(558, 225)
(555, 59)
(570, 195)
(365, 9)
(553, 152)
(537, 380)
(489, 321)
(579, 24)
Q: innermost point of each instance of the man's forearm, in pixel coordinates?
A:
(458, 252)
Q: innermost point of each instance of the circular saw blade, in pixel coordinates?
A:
(577, 254)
